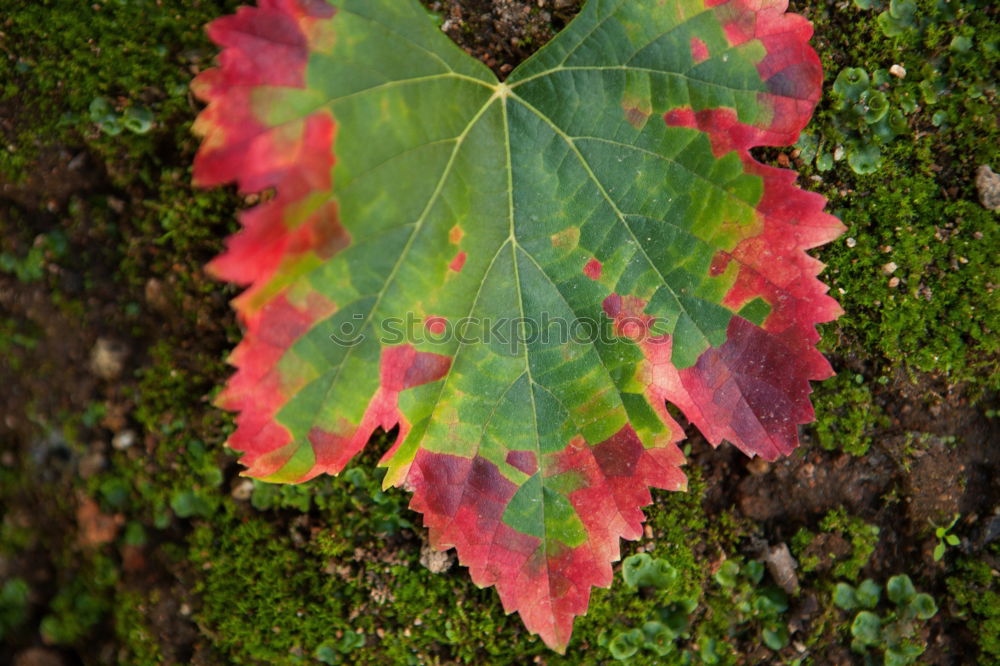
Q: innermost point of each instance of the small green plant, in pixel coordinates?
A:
(336, 652)
(13, 605)
(136, 119)
(200, 499)
(641, 570)
(31, 267)
(893, 633)
(762, 605)
(945, 538)
(864, 119)
(658, 635)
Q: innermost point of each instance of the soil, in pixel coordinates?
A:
(901, 491)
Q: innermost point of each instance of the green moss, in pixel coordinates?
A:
(306, 594)
(935, 311)
(862, 536)
(846, 414)
(975, 587)
(136, 55)
(131, 625)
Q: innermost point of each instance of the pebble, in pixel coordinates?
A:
(782, 566)
(893, 283)
(107, 358)
(124, 440)
(988, 184)
(889, 268)
(436, 561)
(243, 490)
(851, 242)
(898, 71)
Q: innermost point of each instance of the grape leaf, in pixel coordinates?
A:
(520, 275)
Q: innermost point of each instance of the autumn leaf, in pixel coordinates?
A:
(520, 274)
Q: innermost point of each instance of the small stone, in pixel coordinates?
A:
(436, 561)
(758, 466)
(243, 490)
(782, 566)
(851, 242)
(124, 440)
(107, 358)
(898, 71)
(185, 609)
(156, 296)
(988, 184)
(889, 268)
(893, 283)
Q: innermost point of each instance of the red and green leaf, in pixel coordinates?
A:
(566, 252)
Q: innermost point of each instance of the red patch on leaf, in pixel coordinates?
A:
(258, 389)
(402, 368)
(463, 501)
(699, 52)
(458, 262)
(593, 269)
(526, 461)
(436, 325)
(627, 313)
(730, 393)
(266, 46)
(790, 67)
(635, 116)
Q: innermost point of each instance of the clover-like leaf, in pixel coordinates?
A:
(866, 628)
(900, 589)
(520, 274)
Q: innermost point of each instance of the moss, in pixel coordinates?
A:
(69, 54)
(846, 414)
(976, 589)
(341, 578)
(862, 538)
(935, 311)
(131, 626)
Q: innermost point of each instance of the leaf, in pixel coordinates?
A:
(727, 574)
(900, 589)
(866, 628)
(520, 274)
(845, 597)
(775, 638)
(923, 606)
(641, 570)
(625, 645)
(868, 594)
